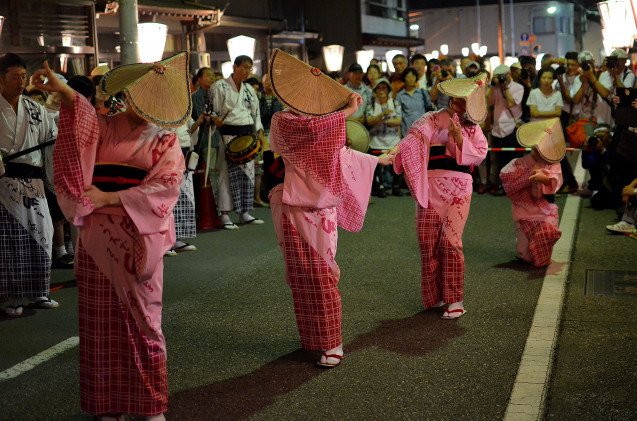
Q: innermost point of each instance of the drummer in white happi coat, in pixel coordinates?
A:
(26, 231)
(236, 107)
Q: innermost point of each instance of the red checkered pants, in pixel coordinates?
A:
(536, 240)
(317, 300)
(442, 261)
(121, 371)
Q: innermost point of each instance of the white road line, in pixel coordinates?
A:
(42, 357)
(527, 400)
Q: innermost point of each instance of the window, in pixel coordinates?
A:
(543, 25)
(566, 25)
(391, 9)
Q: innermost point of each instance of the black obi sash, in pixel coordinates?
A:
(439, 161)
(110, 177)
(18, 170)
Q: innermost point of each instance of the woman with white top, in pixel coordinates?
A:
(383, 118)
(545, 102)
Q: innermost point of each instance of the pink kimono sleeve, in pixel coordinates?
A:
(413, 158)
(150, 204)
(554, 173)
(515, 176)
(474, 146)
(358, 173)
(74, 158)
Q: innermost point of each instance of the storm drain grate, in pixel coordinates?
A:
(611, 283)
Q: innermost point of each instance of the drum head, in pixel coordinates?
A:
(240, 143)
(357, 136)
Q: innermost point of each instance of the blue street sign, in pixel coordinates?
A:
(525, 51)
(524, 36)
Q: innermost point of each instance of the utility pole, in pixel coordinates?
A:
(479, 41)
(500, 37)
(129, 52)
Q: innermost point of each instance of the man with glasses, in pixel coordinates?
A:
(236, 107)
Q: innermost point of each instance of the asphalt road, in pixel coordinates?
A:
(233, 348)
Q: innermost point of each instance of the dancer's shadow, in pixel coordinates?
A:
(521, 266)
(242, 397)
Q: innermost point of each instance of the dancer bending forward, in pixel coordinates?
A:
(437, 155)
(326, 185)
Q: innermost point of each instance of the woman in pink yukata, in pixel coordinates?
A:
(530, 182)
(118, 180)
(327, 185)
(437, 155)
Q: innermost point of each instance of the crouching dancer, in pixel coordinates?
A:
(326, 185)
(118, 180)
(531, 182)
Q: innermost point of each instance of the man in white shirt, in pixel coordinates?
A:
(26, 230)
(237, 108)
(616, 76)
(505, 96)
(419, 62)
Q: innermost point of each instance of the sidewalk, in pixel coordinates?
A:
(595, 370)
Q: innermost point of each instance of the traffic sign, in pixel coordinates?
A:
(531, 38)
(525, 51)
(524, 36)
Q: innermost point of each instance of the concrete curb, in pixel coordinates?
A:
(531, 383)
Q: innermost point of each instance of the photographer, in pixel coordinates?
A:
(505, 96)
(595, 158)
(566, 73)
(583, 89)
(447, 71)
(615, 76)
(627, 223)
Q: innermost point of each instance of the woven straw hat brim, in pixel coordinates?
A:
(305, 89)
(474, 92)
(158, 92)
(547, 135)
(357, 135)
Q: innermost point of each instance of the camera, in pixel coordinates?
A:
(501, 79)
(560, 70)
(444, 73)
(592, 142)
(612, 62)
(585, 65)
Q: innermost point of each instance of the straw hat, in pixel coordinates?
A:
(303, 88)
(158, 92)
(547, 135)
(473, 90)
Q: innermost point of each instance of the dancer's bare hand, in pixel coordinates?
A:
(455, 130)
(539, 177)
(53, 84)
(386, 159)
(101, 198)
(355, 101)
